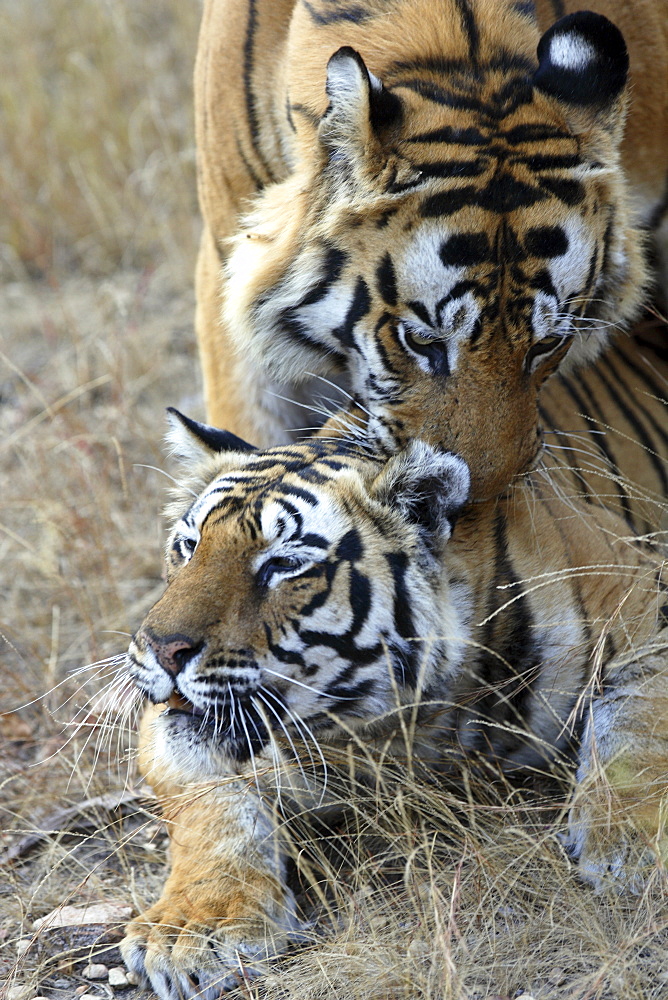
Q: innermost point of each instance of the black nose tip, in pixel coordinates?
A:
(173, 652)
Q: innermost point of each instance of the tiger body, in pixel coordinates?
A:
(433, 210)
(317, 596)
(606, 433)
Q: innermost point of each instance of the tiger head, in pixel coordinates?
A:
(449, 233)
(299, 580)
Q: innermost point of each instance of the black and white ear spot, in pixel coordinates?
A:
(582, 60)
(191, 439)
(357, 98)
(427, 486)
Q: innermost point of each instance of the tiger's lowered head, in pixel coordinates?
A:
(316, 592)
(446, 211)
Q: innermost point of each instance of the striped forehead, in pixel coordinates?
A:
(423, 277)
(282, 507)
(441, 263)
(291, 515)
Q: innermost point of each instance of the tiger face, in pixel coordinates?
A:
(453, 233)
(298, 579)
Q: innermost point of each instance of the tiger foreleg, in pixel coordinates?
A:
(225, 908)
(618, 824)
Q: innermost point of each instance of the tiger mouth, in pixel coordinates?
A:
(179, 705)
(226, 731)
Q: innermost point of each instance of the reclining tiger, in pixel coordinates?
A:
(442, 201)
(317, 595)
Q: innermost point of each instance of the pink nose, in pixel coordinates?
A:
(174, 651)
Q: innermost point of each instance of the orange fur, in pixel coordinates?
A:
(244, 80)
(588, 592)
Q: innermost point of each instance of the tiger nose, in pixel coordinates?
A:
(173, 652)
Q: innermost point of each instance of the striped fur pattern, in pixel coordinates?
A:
(606, 431)
(316, 591)
(447, 209)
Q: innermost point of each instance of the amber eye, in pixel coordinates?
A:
(417, 340)
(427, 345)
(278, 566)
(543, 347)
(184, 546)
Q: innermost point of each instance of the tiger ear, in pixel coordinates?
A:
(428, 487)
(359, 108)
(193, 441)
(584, 64)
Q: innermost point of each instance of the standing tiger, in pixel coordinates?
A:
(442, 200)
(317, 596)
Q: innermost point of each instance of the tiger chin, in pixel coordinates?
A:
(319, 597)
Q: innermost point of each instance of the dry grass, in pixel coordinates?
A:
(429, 895)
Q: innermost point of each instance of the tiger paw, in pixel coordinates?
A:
(618, 823)
(617, 826)
(180, 958)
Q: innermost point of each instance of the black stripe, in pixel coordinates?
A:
(510, 663)
(386, 281)
(465, 250)
(253, 127)
(534, 133)
(558, 8)
(632, 417)
(452, 136)
(421, 311)
(469, 27)
(503, 59)
(607, 240)
(452, 168)
(657, 389)
(288, 490)
(354, 12)
(305, 112)
(503, 195)
(332, 266)
(592, 415)
(350, 548)
(359, 307)
(437, 94)
(569, 191)
(570, 459)
(660, 352)
(547, 161)
(403, 618)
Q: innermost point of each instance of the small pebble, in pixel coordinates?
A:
(133, 978)
(17, 992)
(22, 946)
(95, 971)
(89, 996)
(118, 977)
